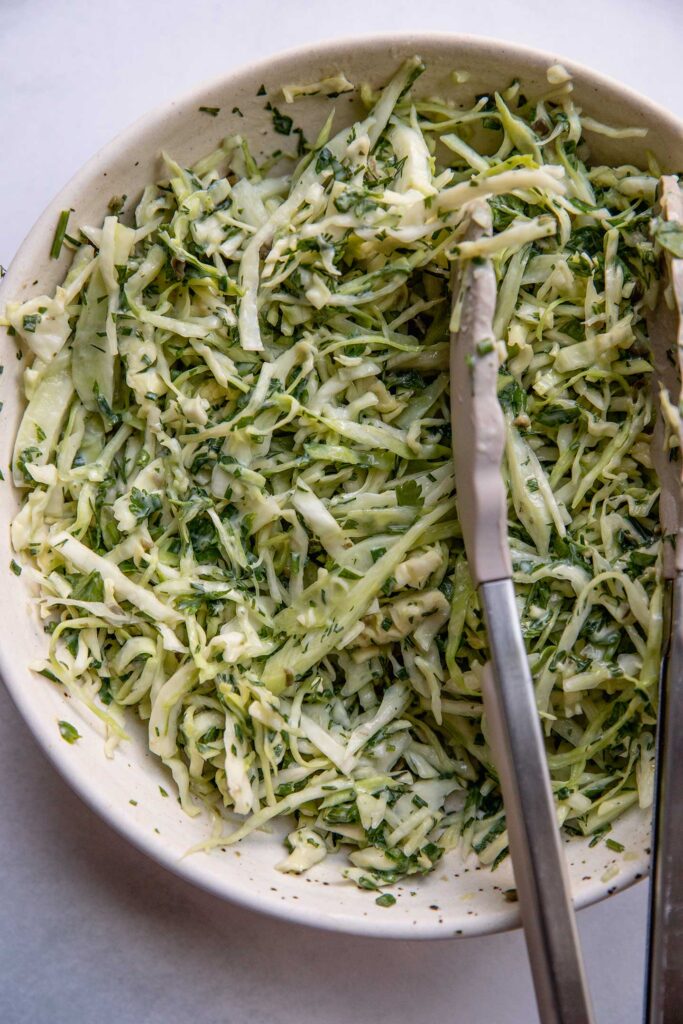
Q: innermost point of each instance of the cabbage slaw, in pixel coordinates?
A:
(239, 491)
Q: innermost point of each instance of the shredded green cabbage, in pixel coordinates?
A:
(236, 456)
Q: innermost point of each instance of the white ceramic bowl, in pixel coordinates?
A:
(458, 898)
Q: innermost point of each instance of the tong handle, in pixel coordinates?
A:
(664, 994)
(538, 859)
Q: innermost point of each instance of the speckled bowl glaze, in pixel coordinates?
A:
(459, 898)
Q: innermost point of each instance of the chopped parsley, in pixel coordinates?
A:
(68, 732)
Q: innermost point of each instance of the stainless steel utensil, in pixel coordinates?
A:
(664, 990)
(478, 441)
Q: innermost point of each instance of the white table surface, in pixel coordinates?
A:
(90, 930)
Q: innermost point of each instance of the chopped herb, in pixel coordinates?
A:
(89, 588)
(60, 232)
(68, 732)
(410, 493)
(30, 322)
(105, 692)
(281, 122)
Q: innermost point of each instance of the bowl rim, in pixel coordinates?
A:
(190, 869)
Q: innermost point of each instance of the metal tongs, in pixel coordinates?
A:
(664, 991)
(478, 428)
